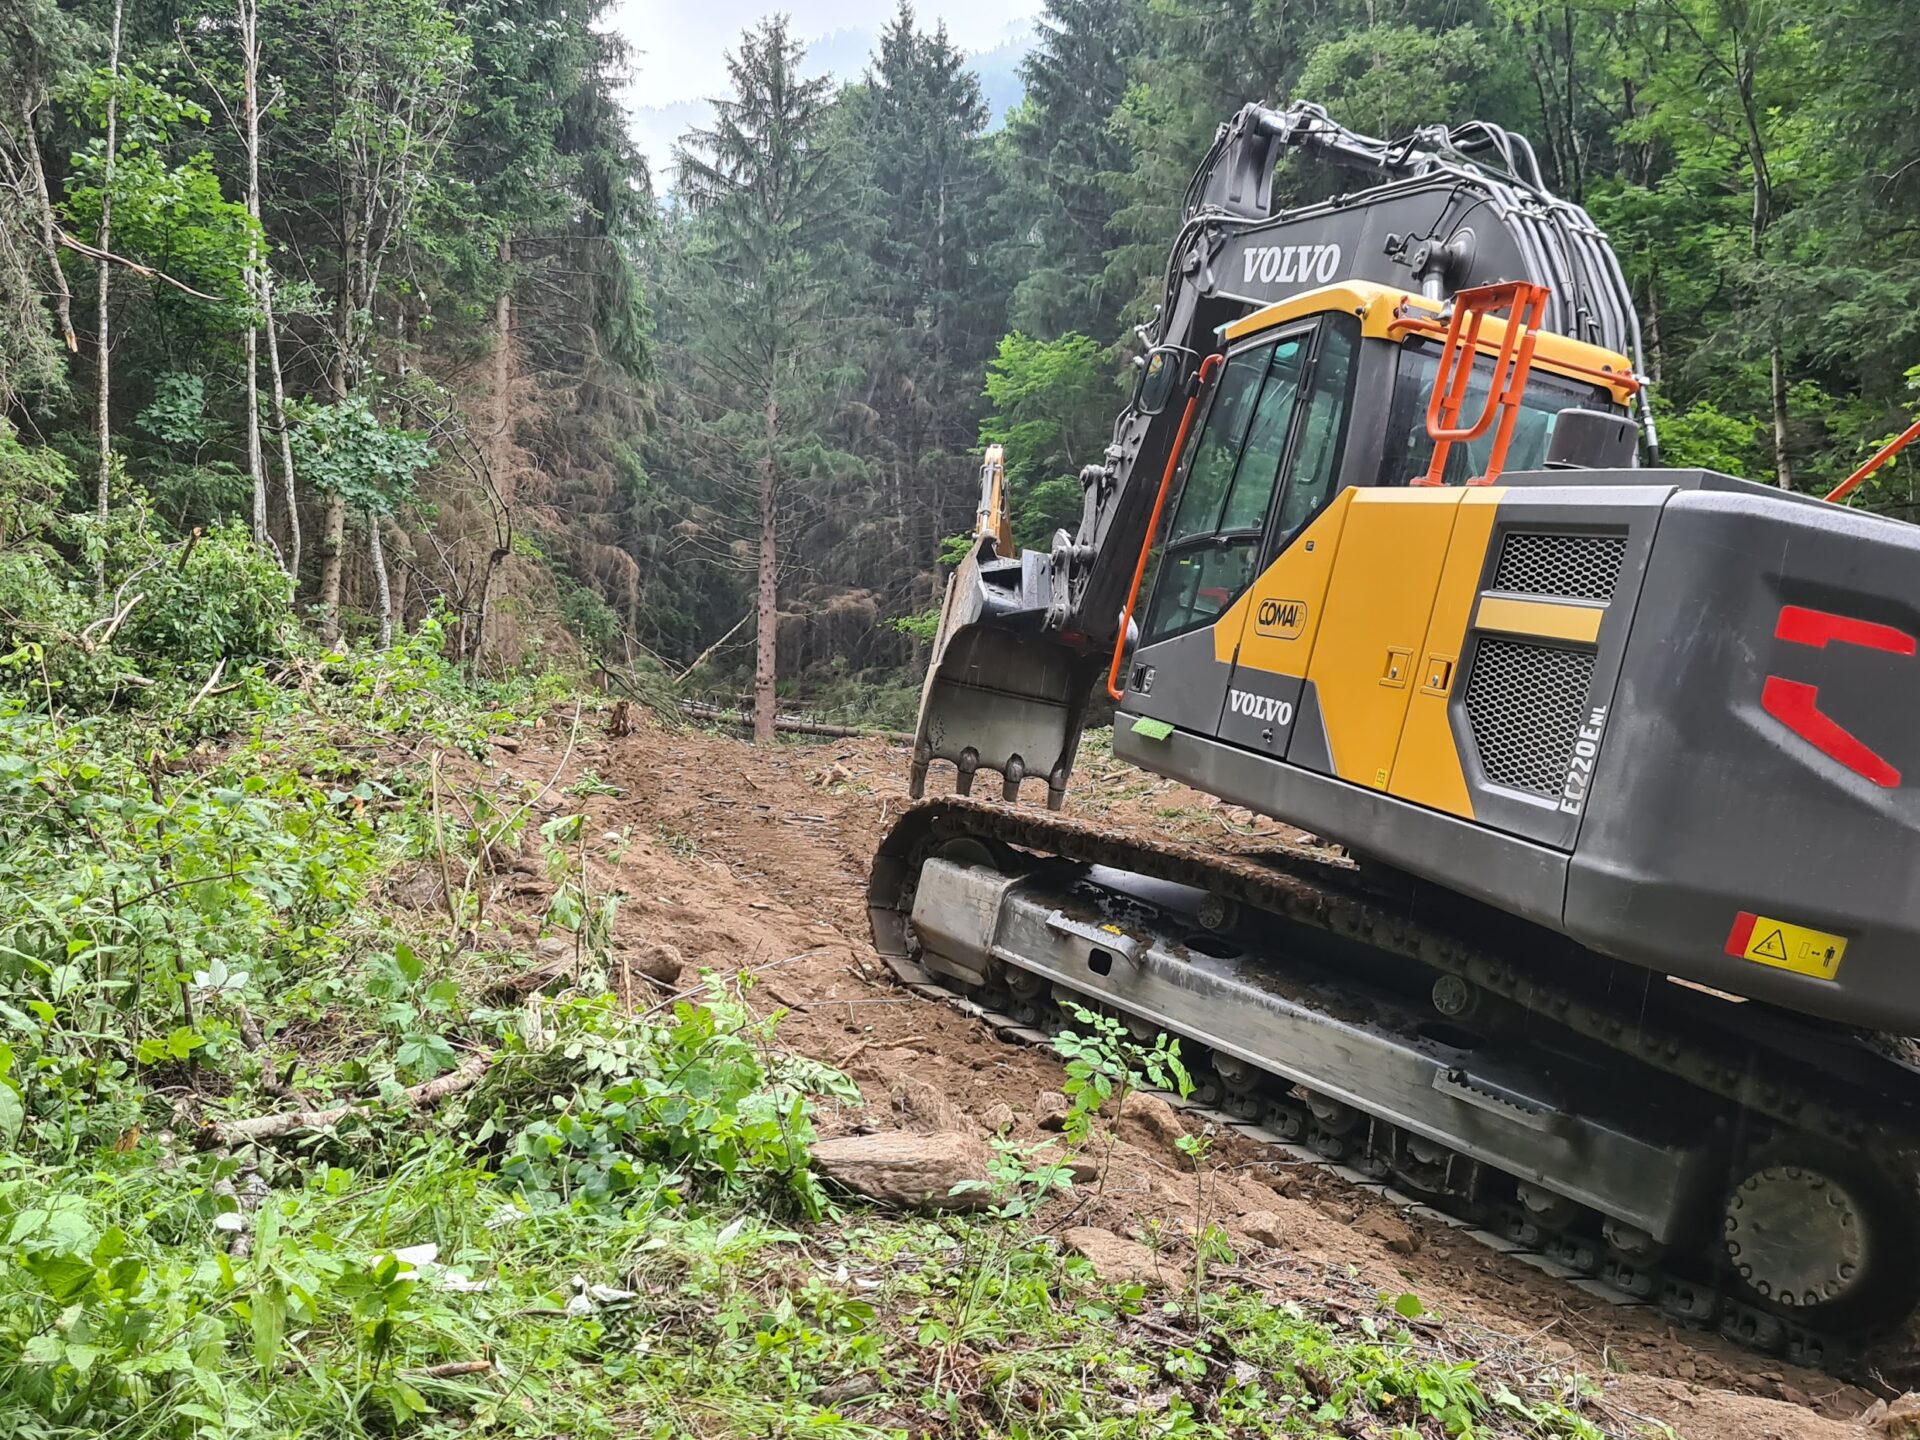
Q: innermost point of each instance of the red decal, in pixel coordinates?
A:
(1797, 707)
(1741, 934)
(1816, 627)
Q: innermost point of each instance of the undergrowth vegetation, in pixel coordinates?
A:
(281, 1155)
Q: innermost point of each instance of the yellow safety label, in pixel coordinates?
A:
(1786, 946)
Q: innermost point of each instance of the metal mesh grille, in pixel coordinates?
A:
(1581, 567)
(1526, 703)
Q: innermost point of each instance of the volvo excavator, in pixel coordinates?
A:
(1613, 953)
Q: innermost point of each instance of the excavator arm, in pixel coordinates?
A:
(1025, 635)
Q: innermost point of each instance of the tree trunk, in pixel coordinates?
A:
(333, 539)
(766, 604)
(500, 447)
(382, 587)
(333, 523)
(499, 450)
(1763, 217)
(1656, 344)
(280, 425)
(401, 576)
(1782, 462)
(62, 296)
(263, 278)
(247, 21)
(105, 374)
(256, 460)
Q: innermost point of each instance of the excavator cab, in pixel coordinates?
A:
(1292, 419)
(1330, 392)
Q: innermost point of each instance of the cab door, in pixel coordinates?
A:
(1215, 542)
(1268, 701)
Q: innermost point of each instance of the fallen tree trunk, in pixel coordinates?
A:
(417, 1097)
(791, 724)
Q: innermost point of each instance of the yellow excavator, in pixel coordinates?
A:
(1613, 957)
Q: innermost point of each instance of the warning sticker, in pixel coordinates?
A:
(1786, 946)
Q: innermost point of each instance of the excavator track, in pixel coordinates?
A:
(1407, 1038)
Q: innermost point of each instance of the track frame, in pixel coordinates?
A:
(1776, 1107)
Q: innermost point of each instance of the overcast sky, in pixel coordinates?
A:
(678, 46)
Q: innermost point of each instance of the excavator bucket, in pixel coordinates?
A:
(1001, 694)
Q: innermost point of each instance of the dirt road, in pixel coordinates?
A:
(736, 859)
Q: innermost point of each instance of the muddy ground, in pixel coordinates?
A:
(755, 859)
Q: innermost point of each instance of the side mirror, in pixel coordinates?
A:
(1160, 376)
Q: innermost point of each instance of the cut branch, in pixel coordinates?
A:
(416, 1097)
(107, 257)
(706, 653)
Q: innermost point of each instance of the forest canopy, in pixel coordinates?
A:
(385, 284)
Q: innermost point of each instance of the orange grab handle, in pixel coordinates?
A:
(1885, 453)
(1208, 368)
(1407, 324)
(1525, 304)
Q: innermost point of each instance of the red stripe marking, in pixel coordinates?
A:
(1797, 707)
(1741, 935)
(1816, 627)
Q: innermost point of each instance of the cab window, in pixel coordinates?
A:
(1213, 544)
(1410, 449)
(1315, 471)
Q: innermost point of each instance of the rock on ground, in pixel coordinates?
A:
(998, 1118)
(1264, 1226)
(908, 1170)
(1083, 1170)
(1279, 1181)
(655, 959)
(925, 1108)
(1116, 1260)
(1899, 1420)
(1391, 1231)
(1149, 1122)
(1050, 1110)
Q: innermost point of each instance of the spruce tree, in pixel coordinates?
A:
(1076, 78)
(764, 184)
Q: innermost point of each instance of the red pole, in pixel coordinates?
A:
(1207, 367)
(1886, 452)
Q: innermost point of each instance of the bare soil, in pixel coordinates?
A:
(756, 859)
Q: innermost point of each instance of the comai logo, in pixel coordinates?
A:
(1281, 619)
(1260, 707)
(1295, 264)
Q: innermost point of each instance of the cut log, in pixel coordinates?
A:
(789, 724)
(913, 1172)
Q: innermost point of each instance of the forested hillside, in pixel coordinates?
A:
(382, 283)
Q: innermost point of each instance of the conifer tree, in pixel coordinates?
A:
(763, 182)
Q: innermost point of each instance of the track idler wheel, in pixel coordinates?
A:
(1826, 1241)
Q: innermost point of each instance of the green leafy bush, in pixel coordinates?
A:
(171, 611)
(221, 599)
(656, 1110)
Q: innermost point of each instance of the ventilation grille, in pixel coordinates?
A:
(1579, 567)
(1526, 703)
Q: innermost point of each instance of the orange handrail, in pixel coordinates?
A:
(1207, 368)
(1526, 304)
(1885, 453)
(1613, 379)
